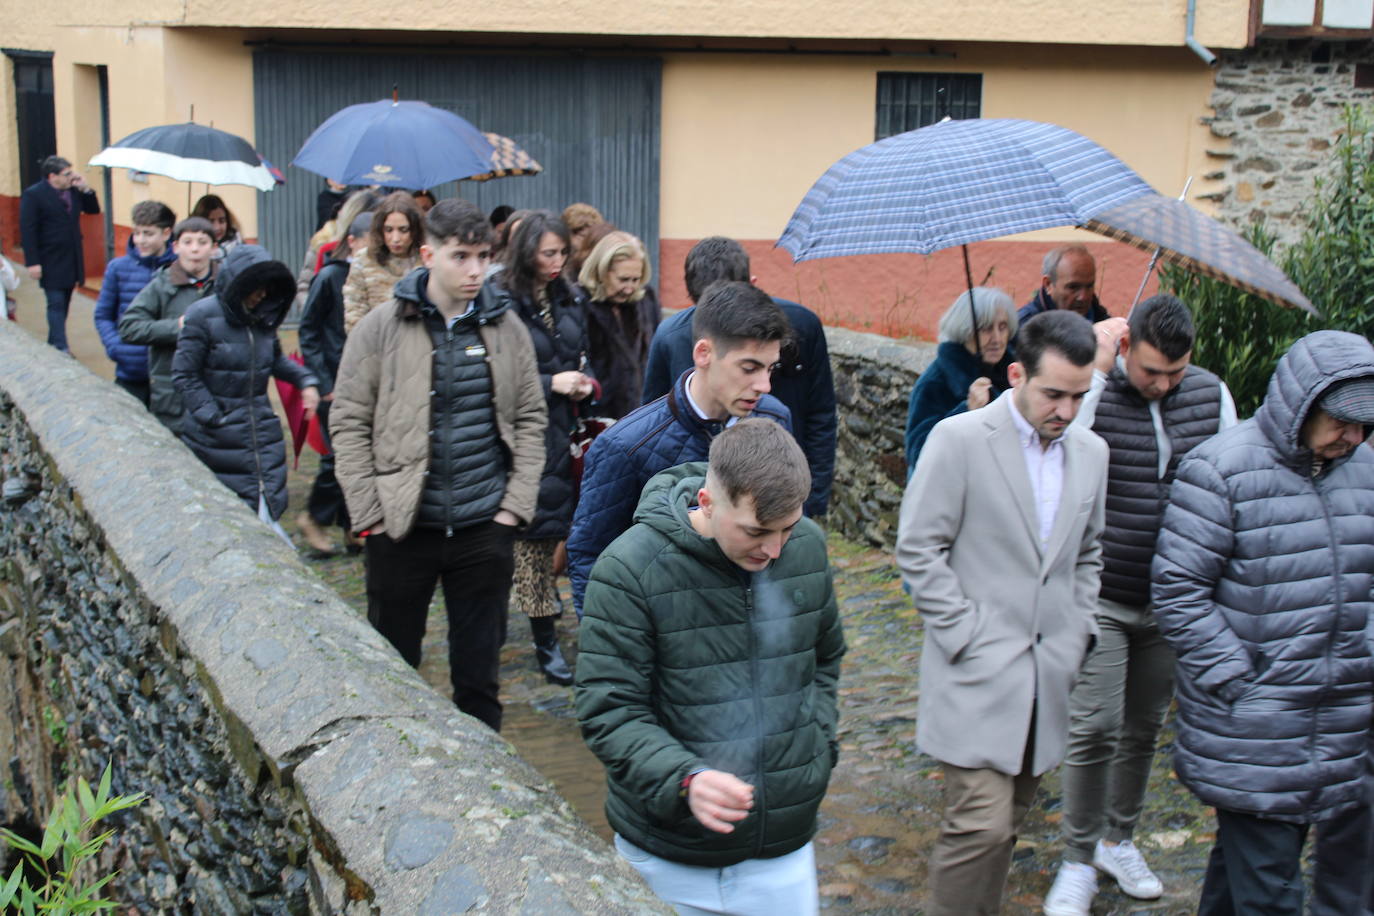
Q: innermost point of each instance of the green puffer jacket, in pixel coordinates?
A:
(687, 662)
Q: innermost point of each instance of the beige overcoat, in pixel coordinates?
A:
(1007, 623)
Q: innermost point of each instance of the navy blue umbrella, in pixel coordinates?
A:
(396, 144)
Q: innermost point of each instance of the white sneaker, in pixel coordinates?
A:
(1125, 863)
(1073, 890)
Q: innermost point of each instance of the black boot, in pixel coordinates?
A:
(546, 651)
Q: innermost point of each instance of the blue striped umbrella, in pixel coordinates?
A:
(953, 183)
(958, 182)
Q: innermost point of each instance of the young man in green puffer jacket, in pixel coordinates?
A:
(706, 682)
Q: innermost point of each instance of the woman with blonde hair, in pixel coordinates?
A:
(393, 250)
(622, 314)
(580, 219)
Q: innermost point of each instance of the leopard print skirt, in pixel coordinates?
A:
(534, 589)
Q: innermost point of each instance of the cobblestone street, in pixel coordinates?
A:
(880, 817)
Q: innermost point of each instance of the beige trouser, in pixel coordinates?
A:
(983, 811)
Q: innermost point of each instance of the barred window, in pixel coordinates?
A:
(907, 101)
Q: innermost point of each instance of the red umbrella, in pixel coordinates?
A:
(303, 428)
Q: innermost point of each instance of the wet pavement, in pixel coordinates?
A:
(880, 817)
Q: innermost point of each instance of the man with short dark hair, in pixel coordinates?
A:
(1000, 543)
(1068, 281)
(739, 332)
(438, 430)
(1261, 584)
(715, 716)
(155, 317)
(50, 232)
(125, 278)
(1152, 406)
(802, 380)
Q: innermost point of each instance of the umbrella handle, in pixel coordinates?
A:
(973, 312)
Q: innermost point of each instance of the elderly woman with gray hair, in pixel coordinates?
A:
(966, 374)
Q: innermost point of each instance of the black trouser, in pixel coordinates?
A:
(59, 302)
(1256, 866)
(475, 567)
(141, 390)
(326, 502)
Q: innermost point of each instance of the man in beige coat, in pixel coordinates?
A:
(438, 432)
(999, 543)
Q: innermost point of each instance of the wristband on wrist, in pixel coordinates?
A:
(687, 781)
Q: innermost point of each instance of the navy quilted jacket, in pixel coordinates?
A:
(660, 435)
(124, 279)
(1262, 579)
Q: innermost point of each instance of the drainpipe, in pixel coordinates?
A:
(1190, 39)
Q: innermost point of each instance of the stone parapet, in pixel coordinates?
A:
(873, 380)
(294, 762)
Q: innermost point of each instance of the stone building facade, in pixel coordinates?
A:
(1279, 107)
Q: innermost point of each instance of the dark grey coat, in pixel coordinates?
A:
(225, 355)
(1262, 582)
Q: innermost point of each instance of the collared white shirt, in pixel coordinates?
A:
(696, 409)
(1044, 464)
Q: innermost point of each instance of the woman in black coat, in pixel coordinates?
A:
(622, 314)
(554, 312)
(226, 351)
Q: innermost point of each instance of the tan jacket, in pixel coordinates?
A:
(369, 285)
(380, 419)
(1007, 621)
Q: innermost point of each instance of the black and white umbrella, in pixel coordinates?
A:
(190, 152)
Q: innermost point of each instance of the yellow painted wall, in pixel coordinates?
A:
(155, 76)
(1220, 22)
(744, 137)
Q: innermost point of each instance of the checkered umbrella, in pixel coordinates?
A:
(1185, 237)
(958, 182)
(507, 160)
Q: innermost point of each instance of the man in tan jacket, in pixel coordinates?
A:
(438, 431)
(1000, 543)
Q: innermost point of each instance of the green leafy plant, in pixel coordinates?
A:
(1241, 337)
(69, 841)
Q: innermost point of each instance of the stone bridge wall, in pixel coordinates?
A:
(295, 764)
(873, 380)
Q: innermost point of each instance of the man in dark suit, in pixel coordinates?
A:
(802, 380)
(50, 231)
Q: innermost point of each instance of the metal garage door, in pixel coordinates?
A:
(592, 122)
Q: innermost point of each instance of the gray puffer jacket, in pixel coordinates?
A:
(1262, 581)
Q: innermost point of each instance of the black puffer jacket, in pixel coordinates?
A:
(1262, 581)
(321, 329)
(558, 351)
(225, 354)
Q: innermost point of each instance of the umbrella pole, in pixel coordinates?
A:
(973, 312)
(1154, 258)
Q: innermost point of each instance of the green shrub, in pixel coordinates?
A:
(1241, 337)
(67, 844)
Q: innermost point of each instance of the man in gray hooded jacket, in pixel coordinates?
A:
(1262, 579)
